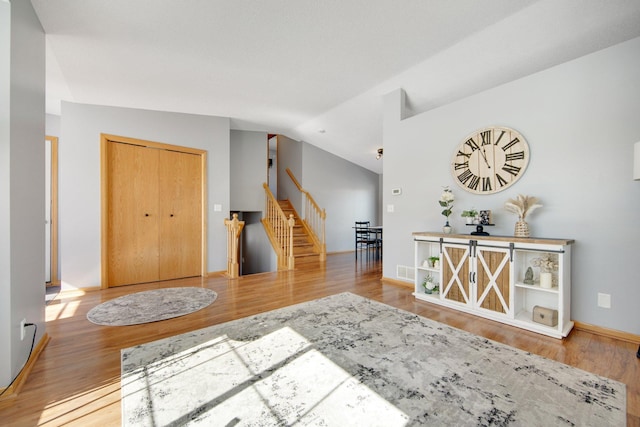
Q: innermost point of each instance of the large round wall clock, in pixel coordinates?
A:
(490, 160)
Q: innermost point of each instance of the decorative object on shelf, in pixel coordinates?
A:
(547, 265)
(546, 316)
(484, 217)
(528, 277)
(546, 281)
(490, 160)
(446, 201)
(430, 285)
(470, 215)
(522, 206)
(426, 263)
(480, 230)
(434, 261)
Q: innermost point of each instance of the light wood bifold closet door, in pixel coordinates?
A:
(154, 214)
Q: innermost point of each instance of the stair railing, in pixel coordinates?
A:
(234, 228)
(314, 218)
(280, 230)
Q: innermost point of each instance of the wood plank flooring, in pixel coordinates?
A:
(76, 381)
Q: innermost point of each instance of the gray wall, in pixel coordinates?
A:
(580, 120)
(258, 255)
(248, 170)
(22, 124)
(79, 178)
(289, 156)
(53, 125)
(248, 173)
(346, 191)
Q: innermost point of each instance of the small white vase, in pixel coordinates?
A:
(446, 229)
(546, 281)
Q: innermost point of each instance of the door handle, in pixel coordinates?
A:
(146, 214)
(171, 215)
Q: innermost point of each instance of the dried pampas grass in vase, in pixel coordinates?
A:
(522, 206)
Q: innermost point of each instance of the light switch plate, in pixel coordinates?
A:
(217, 208)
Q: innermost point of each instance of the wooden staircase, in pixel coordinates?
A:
(304, 250)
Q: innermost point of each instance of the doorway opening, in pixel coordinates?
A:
(52, 281)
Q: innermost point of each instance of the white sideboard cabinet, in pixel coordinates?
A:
(524, 282)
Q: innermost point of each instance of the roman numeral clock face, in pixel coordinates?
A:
(490, 160)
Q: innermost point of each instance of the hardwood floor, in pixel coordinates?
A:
(76, 381)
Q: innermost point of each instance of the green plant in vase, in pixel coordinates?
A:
(446, 201)
(469, 215)
(434, 261)
(430, 285)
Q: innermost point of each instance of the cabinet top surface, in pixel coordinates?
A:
(535, 240)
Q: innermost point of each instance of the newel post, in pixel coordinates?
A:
(291, 259)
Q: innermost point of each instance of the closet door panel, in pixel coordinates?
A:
(132, 214)
(180, 201)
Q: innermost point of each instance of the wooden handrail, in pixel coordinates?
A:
(314, 218)
(280, 230)
(234, 228)
(306, 193)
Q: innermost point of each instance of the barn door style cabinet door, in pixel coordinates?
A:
(477, 277)
(498, 278)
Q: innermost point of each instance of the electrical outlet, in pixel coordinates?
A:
(23, 322)
(604, 300)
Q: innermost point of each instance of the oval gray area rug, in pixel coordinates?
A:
(151, 306)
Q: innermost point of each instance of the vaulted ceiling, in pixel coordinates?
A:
(312, 70)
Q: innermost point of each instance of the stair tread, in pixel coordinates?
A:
(303, 246)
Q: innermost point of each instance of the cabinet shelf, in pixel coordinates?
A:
(553, 290)
(527, 317)
(424, 296)
(435, 270)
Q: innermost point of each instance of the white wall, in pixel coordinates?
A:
(347, 192)
(22, 123)
(79, 178)
(248, 170)
(581, 120)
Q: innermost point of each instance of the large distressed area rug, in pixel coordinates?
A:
(345, 360)
(151, 306)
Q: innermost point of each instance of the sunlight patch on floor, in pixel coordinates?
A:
(277, 379)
